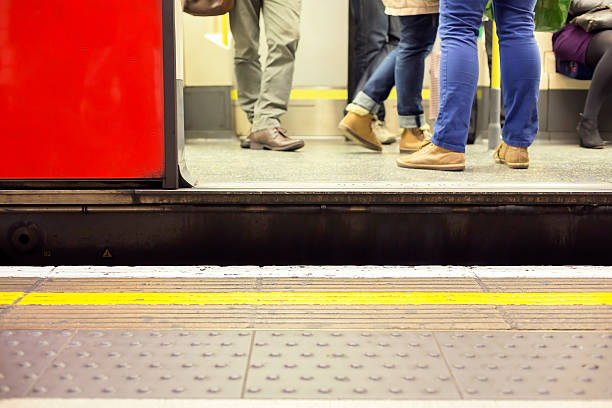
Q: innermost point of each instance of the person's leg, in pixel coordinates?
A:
(357, 123)
(599, 56)
(395, 31)
(459, 25)
(379, 86)
(244, 23)
(393, 39)
(282, 24)
(370, 42)
(417, 38)
(520, 81)
(371, 26)
(393, 36)
(361, 112)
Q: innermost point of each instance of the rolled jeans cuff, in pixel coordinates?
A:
(363, 100)
(412, 121)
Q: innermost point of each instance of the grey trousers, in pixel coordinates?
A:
(264, 93)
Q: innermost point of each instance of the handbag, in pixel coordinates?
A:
(573, 69)
(579, 7)
(595, 20)
(207, 7)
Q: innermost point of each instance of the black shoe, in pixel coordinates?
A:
(588, 133)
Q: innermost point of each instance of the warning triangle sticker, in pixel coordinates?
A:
(107, 254)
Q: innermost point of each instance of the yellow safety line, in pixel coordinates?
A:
(328, 94)
(318, 298)
(7, 298)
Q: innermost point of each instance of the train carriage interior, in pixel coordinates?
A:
(214, 121)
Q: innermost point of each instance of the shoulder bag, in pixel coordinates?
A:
(207, 7)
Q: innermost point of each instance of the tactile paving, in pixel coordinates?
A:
(347, 365)
(325, 365)
(24, 355)
(511, 365)
(139, 364)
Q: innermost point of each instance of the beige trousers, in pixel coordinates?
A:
(263, 93)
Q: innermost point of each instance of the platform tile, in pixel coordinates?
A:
(347, 365)
(530, 365)
(149, 364)
(24, 355)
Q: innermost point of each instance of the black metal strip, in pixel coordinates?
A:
(70, 185)
(171, 176)
(184, 197)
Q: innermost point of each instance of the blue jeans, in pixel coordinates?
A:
(520, 70)
(373, 35)
(404, 68)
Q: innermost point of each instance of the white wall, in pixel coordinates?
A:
(207, 61)
(178, 26)
(322, 56)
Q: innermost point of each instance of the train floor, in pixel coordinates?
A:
(343, 336)
(332, 162)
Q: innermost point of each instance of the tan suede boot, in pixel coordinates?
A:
(514, 157)
(432, 157)
(412, 139)
(357, 126)
(383, 134)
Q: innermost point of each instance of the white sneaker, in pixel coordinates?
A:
(382, 133)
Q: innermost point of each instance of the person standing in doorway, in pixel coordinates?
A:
(520, 73)
(404, 68)
(372, 36)
(264, 93)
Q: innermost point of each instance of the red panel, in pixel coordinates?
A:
(81, 89)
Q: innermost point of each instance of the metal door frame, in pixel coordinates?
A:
(171, 172)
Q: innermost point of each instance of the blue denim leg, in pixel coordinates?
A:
(459, 24)
(418, 34)
(373, 32)
(379, 86)
(393, 40)
(520, 82)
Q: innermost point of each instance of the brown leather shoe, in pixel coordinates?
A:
(514, 157)
(272, 139)
(432, 157)
(412, 139)
(358, 128)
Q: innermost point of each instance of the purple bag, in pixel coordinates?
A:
(573, 69)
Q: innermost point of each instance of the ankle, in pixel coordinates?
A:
(587, 119)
